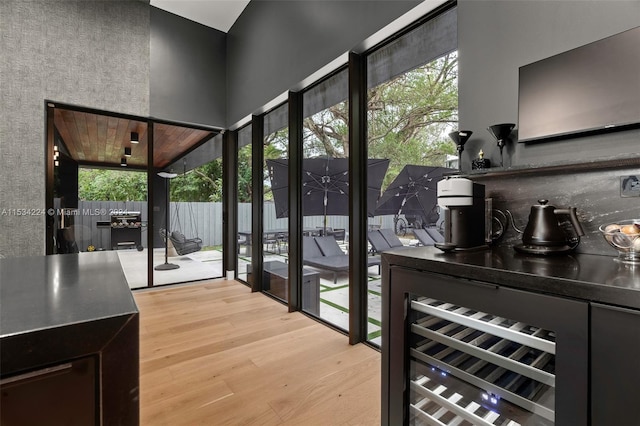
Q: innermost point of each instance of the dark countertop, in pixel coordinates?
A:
(59, 307)
(581, 276)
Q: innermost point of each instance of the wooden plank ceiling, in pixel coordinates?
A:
(100, 140)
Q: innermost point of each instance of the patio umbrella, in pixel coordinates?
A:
(413, 193)
(325, 185)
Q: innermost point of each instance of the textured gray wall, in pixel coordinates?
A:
(89, 53)
(497, 37)
(188, 71)
(276, 44)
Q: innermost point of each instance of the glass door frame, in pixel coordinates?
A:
(150, 169)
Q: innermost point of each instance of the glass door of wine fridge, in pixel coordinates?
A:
(474, 353)
(468, 367)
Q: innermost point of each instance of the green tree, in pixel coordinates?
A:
(203, 184)
(275, 146)
(112, 185)
(408, 117)
(245, 185)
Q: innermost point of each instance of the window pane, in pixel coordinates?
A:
(116, 203)
(244, 203)
(412, 107)
(325, 201)
(193, 228)
(276, 203)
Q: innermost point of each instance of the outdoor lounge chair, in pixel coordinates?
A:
(182, 244)
(424, 238)
(435, 235)
(391, 237)
(340, 234)
(379, 243)
(325, 253)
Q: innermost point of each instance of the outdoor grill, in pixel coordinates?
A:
(126, 230)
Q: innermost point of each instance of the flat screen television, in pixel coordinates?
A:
(591, 89)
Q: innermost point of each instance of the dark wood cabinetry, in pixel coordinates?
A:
(62, 393)
(69, 341)
(474, 341)
(615, 361)
(450, 320)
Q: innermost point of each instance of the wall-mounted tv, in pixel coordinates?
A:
(591, 89)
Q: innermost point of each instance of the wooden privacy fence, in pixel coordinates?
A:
(193, 219)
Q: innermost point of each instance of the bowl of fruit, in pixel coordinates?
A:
(624, 236)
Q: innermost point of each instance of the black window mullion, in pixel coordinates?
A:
(230, 201)
(151, 183)
(357, 198)
(257, 172)
(295, 201)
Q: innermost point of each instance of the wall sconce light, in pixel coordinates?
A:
(135, 138)
(127, 151)
(123, 161)
(460, 138)
(501, 132)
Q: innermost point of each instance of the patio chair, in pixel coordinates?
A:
(379, 244)
(391, 237)
(271, 242)
(182, 244)
(329, 246)
(244, 240)
(340, 234)
(435, 235)
(325, 253)
(377, 241)
(283, 242)
(423, 237)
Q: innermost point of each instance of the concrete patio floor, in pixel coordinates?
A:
(204, 264)
(207, 264)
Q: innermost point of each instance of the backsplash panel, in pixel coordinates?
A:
(595, 194)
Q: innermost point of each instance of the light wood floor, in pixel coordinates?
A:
(217, 354)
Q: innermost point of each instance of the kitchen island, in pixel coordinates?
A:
(69, 341)
(548, 340)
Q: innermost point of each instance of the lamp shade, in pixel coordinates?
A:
(167, 175)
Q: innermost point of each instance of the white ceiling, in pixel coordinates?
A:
(218, 14)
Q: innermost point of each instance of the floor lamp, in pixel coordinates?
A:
(166, 266)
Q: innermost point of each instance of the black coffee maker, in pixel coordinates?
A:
(463, 204)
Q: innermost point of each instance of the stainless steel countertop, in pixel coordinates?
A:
(581, 276)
